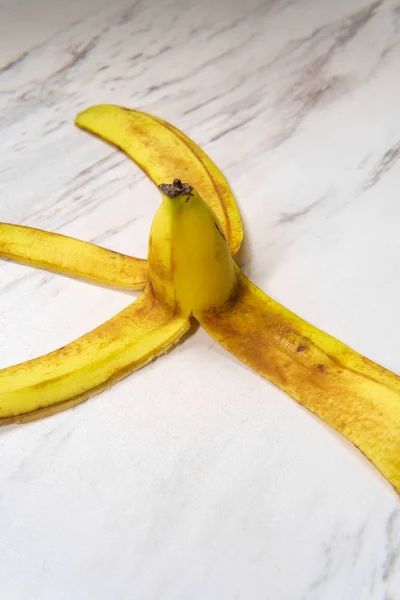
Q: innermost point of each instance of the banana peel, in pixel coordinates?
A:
(190, 273)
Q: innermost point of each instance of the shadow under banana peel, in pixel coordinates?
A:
(190, 273)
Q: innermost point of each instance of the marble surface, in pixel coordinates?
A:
(195, 478)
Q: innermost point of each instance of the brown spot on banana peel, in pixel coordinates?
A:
(161, 270)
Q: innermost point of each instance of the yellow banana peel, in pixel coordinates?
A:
(190, 273)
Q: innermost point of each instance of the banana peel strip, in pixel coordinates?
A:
(68, 256)
(354, 395)
(63, 378)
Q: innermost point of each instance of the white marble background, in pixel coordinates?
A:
(195, 478)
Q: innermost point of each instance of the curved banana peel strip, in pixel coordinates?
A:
(68, 256)
(68, 376)
(164, 153)
(356, 396)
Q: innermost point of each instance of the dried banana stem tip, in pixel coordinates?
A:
(176, 188)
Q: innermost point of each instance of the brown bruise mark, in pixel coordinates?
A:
(160, 270)
(253, 345)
